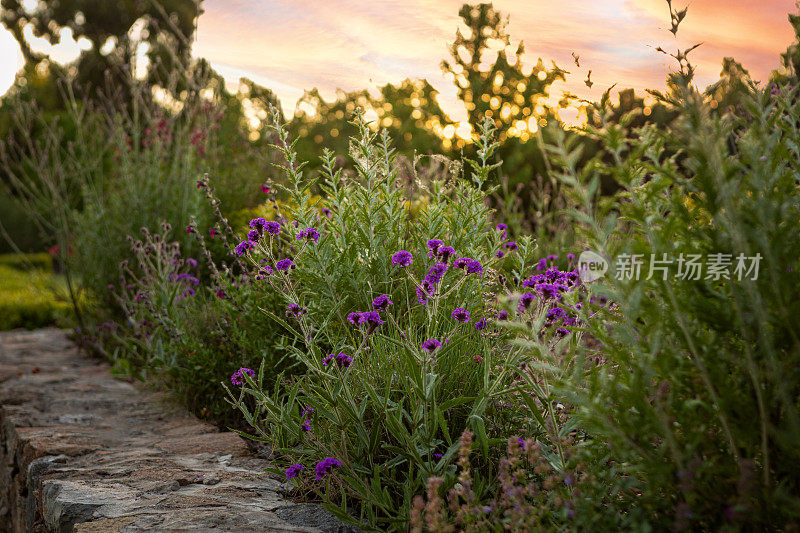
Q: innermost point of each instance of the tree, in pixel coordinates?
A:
(115, 31)
(499, 89)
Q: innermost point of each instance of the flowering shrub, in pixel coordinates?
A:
(397, 316)
(178, 332)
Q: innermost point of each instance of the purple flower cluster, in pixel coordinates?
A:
(553, 283)
(263, 225)
(461, 314)
(433, 247)
(435, 273)
(325, 466)
(265, 271)
(436, 248)
(243, 247)
(424, 291)
(504, 228)
(237, 378)
(402, 258)
(309, 234)
(293, 471)
(284, 265)
(381, 302)
(431, 345)
(371, 319)
(295, 311)
(342, 360)
(470, 266)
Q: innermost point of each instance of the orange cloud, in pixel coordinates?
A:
(291, 46)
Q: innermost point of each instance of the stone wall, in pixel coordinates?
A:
(82, 451)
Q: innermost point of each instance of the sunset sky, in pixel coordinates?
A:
(290, 46)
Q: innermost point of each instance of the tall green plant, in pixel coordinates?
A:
(398, 363)
(697, 396)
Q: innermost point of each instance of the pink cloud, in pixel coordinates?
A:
(352, 45)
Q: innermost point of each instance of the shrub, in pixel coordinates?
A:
(178, 332)
(396, 316)
(106, 167)
(697, 399)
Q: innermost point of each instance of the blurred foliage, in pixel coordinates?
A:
(115, 32)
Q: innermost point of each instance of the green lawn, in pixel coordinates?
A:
(31, 295)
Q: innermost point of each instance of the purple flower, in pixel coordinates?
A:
(570, 257)
(308, 412)
(556, 313)
(306, 425)
(221, 294)
(309, 234)
(343, 360)
(552, 257)
(353, 318)
(326, 212)
(200, 183)
(293, 471)
(501, 227)
(284, 264)
(237, 378)
(525, 301)
(213, 232)
(562, 332)
(272, 227)
(424, 291)
(500, 254)
(461, 314)
(264, 272)
(242, 248)
(474, 267)
(542, 264)
(325, 466)
(445, 252)
(510, 245)
(521, 443)
(327, 359)
(371, 319)
(402, 258)
(435, 273)
(264, 188)
(381, 302)
(549, 291)
(480, 324)
(431, 345)
(191, 262)
(295, 310)
(533, 281)
(433, 247)
(190, 229)
(253, 235)
(258, 224)
(502, 315)
(461, 262)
